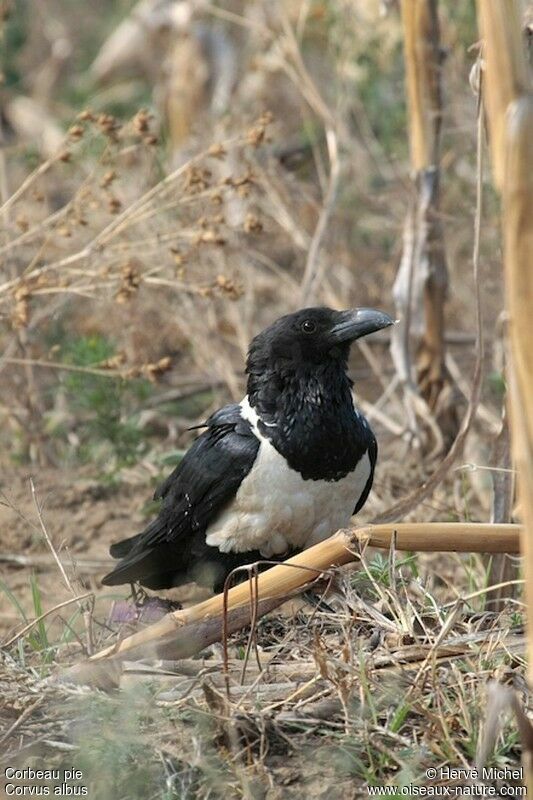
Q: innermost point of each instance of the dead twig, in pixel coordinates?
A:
(85, 609)
(38, 561)
(22, 719)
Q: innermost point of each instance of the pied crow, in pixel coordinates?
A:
(280, 471)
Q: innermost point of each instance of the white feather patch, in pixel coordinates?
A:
(276, 510)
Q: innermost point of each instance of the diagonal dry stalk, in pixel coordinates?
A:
(26, 714)
(185, 632)
(23, 631)
(85, 602)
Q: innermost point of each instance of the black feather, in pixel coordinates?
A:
(205, 480)
(372, 455)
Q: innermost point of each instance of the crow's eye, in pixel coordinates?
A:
(308, 326)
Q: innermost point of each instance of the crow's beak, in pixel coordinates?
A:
(359, 322)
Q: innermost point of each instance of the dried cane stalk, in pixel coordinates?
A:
(185, 632)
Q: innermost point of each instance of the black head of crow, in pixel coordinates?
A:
(279, 471)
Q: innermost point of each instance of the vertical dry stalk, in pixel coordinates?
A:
(185, 91)
(421, 283)
(502, 569)
(518, 254)
(506, 74)
(518, 249)
(509, 104)
(422, 64)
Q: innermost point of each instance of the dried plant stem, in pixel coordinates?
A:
(43, 562)
(185, 632)
(509, 105)
(25, 185)
(85, 609)
(46, 535)
(518, 249)
(409, 503)
(23, 717)
(501, 567)
(507, 76)
(421, 283)
(38, 362)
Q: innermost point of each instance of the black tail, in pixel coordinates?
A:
(146, 559)
(148, 567)
(123, 548)
(151, 536)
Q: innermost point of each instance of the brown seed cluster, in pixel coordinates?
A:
(230, 288)
(112, 363)
(141, 121)
(141, 126)
(108, 178)
(241, 184)
(210, 236)
(217, 151)
(252, 224)
(258, 133)
(76, 132)
(86, 115)
(153, 371)
(179, 257)
(21, 312)
(197, 179)
(113, 204)
(222, 285)
(109, 126)
(131, 276)
(217, 219)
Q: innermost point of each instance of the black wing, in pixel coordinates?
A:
(202, 484)
(372, 456)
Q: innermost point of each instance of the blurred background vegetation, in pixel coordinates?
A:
(74, 80)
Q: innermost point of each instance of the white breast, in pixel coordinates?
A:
(275, 510)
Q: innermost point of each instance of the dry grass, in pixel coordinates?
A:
(386, 685)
